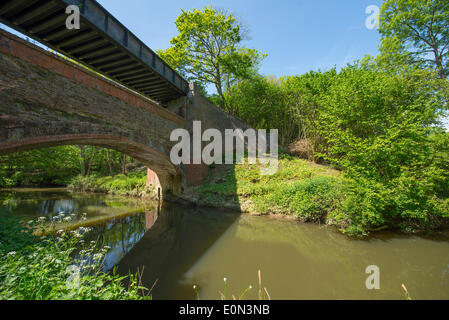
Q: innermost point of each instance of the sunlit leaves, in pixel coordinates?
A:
(416, 32)
(208, 50)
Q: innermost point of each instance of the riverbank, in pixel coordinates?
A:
(300, 190)
(309, 192)
(133, 184)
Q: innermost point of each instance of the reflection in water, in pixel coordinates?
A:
(179, 247)
(121, 234)
(298, 261)
(174, 244)
(117, 222)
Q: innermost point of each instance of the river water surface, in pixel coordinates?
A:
(178, 247)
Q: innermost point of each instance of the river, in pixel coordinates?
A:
(179, 247)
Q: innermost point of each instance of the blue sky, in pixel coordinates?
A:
(297, 35)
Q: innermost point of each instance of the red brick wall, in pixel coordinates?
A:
(23, 50)
(196, 174)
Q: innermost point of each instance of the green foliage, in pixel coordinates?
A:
(262, 104)
(381, 128)
(375, 122)
(57, 166)
(14, 236)
(311, 199)
(289, 104)
(59, 267)
(207, 50)
(416, 32)
(51, 166)
(133, 184)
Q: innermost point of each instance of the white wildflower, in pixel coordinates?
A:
(73, 280)
(98, 256)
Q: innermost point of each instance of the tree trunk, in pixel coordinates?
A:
(220, 90)
(439, 63)
(83, 162)
(124, 164)
(230, 106)
(108, 156)
(91, 160)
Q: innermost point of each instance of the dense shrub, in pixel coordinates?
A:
(381, 128)
(132, 184)
(311, 199)
(42, 167)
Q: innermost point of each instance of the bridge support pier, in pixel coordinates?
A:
(162, 183)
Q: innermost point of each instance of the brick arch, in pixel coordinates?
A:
(46, 101)
(162, 174)
(158, 161)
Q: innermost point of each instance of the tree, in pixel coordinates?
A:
(208, 50)
(383, 130)
(416, 32)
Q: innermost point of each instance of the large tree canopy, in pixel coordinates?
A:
(208, 50)
(416, 32)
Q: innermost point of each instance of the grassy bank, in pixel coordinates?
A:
(133, 184)
(314, 193)
(301, 188)
(57, 267)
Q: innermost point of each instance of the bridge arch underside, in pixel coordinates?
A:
(157, 161)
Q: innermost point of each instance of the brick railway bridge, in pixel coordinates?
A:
(127, 99)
